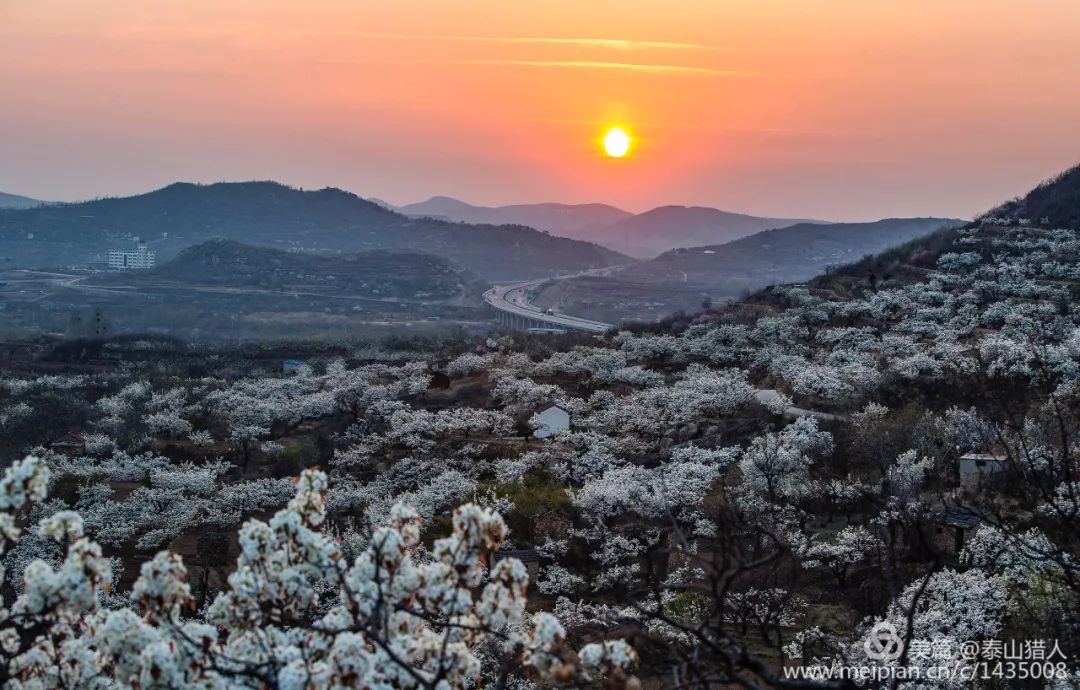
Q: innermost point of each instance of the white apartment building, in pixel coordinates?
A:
(128, 259)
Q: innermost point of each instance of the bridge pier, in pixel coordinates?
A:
(518, 322)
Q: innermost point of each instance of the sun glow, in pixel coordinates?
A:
(616, 142)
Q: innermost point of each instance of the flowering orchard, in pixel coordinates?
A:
(890, 446)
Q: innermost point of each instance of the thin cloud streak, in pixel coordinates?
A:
(602, 65)
(685, 126)
(611, 43)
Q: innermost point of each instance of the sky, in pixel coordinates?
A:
(831, 109)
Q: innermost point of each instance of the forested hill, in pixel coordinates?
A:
(271, 214)
(378, 273)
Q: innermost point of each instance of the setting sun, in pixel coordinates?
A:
(616, 142)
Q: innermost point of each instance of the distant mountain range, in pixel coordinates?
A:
(16, 201)
(560, 219)
(682, 279)
(668, 227)
(270, 214)
(785, 255)
(727, 253)
(376, 274)
(643, 235)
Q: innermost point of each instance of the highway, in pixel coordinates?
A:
(513, 300)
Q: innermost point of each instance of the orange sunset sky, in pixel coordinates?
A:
(836, 109)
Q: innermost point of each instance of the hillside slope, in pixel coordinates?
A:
(271, 214)
(1055, 203)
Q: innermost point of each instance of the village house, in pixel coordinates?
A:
(551, 421)
(953, 525)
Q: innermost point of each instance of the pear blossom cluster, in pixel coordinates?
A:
(296, 613)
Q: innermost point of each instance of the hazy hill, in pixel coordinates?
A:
(556, 218)
(667, 227)
(379, 273)
(16, 201)
(271, 214)
(786, 255)
(644, 235)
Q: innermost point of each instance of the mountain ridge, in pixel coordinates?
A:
(548, 216)
(671, 226)
(272, 214)
(643, 235)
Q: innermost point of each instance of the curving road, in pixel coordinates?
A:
(513, 300)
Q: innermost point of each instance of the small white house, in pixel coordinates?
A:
(551, 421)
